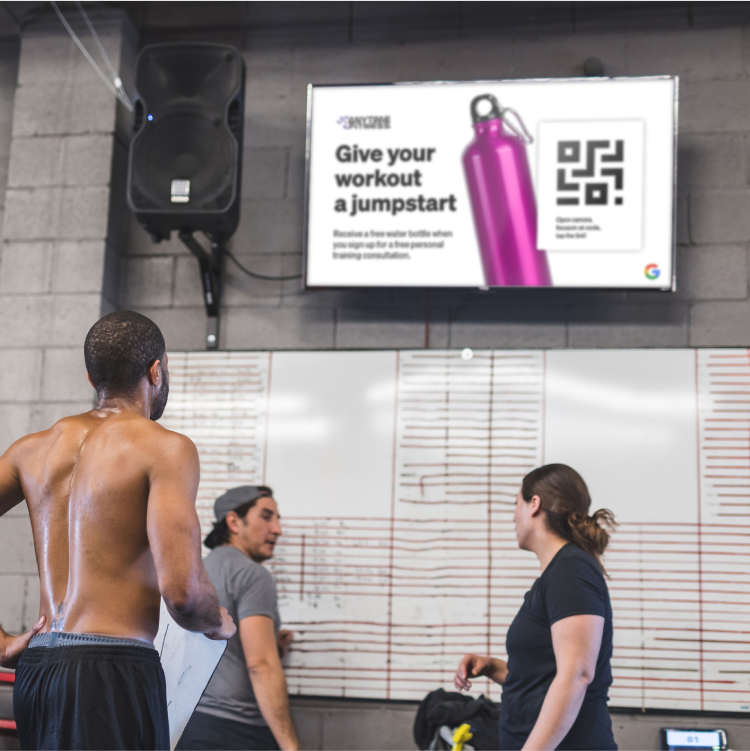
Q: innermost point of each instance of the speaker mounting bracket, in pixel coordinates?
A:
(211, 265)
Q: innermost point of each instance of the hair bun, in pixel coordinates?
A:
(604, 518)
(592, 532)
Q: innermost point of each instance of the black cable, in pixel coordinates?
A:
(261, 276)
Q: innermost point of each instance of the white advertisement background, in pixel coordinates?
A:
(437, 116)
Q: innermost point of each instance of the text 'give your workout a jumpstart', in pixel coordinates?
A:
(379, 179)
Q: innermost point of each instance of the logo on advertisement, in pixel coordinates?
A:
(367, 122)
(590, 173)
(652, 271)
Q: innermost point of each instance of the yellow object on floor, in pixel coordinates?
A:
(463, 733)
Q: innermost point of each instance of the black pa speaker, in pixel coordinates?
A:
(185, 163)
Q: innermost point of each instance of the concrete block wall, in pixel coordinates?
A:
(58, 146)
(711, 307)
(20, 375)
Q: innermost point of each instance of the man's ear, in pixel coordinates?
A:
(154, 373)
(233, 522)
(90, 381)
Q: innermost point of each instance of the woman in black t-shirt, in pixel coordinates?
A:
(559, 645)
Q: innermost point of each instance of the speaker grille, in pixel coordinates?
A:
(185, 146)
(187, 74)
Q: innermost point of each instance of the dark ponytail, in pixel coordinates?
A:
(566, 500)
(219, 535)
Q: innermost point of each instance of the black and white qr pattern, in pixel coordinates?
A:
(584, 176)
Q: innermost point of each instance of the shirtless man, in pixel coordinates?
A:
(111, 495)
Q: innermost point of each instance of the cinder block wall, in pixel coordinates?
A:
(19, 372)
(711, 307)
(63, 143)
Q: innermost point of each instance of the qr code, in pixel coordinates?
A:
(590, 175)
(592, 181)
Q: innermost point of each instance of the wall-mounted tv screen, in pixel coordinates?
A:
(537, 183)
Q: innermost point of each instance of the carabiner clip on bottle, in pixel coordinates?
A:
(500, 113)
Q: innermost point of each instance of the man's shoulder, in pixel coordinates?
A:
(163, 446)
(68, 427)
(228, 561)
(226, 556)
(169, 440)
(143, 425)
(230, 556)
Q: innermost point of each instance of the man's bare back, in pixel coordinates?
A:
(88, 481)
(111, 496)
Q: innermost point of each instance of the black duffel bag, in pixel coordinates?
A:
(442, 707)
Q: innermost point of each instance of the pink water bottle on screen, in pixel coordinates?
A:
(502, 199)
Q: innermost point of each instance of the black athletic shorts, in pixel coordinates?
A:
(91, 697)
(206, 732)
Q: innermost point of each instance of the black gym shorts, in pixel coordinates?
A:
(91, 697)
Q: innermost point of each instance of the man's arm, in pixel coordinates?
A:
(576, 641)
(267, 676)
(12, 646)
(175, 539)
(284, 641)
(11, 494)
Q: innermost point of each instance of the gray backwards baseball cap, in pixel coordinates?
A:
(236, 497)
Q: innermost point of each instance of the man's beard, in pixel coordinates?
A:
(160, 402)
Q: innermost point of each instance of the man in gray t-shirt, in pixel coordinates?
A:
(245, 704)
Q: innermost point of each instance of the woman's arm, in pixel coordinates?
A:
(576, 641)
(474, 666)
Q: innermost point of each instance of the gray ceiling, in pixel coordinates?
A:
(354, 22)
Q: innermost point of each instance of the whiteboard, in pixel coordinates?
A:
(636, 404)
(334, 426)
(395, 474)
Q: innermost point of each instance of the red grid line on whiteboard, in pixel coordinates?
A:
(468, 431)
(392, 532)
(700, 503)
(220, 400)
(724, 516)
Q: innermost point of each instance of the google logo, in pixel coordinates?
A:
(652, 271)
